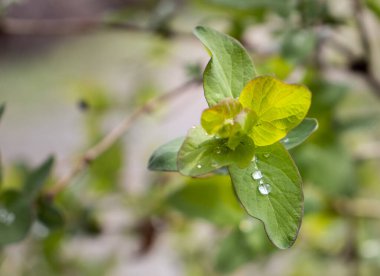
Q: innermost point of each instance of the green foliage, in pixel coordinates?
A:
(297, 45)
(270, 189)
(36, 179)
(241, 130)
(300, 133)
(374, 6)
(201, 153)
(2, 109)
(104, 171)
(208, 198)
(17, 207)
(279, 108)
(16, 217)
(165, 157)
(230, 66)
(243, 244)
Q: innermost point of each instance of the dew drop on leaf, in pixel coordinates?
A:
(199, 166)
(6, 217)
(257, 175)
(266, 155)
(264, 189)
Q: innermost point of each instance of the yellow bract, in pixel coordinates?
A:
(279, 107)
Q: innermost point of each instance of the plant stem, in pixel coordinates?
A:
(366, 44)
(115, 134)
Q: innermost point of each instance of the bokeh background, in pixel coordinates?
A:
(71, 70)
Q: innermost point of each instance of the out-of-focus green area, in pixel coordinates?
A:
(71, 70)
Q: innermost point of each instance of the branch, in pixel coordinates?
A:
(367, 49)
(68, 26)
(94, 152)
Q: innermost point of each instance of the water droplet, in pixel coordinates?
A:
(214, 164)
(261, 181)
(199, 166)
(193, 127)
(6, 217)
(264, 189)
(218, 150)
(286, 140)
(266, 155)
(257, 175)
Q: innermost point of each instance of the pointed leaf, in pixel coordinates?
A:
(165, 157)
(229, 69)
(281, 209)
(279, 107)
(37, 179)
(202, 153)
(16, 217)
(300, 133)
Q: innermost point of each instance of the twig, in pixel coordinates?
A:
(367, 49)
(92, 153)
(68, 26)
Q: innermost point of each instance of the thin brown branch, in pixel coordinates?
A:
(366, 44)
(68, 26)
(22, 26)
(114, 135)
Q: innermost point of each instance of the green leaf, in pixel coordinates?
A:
(202, 153)
(16, 217)
(330, 167)
(300, 133)
(374, 6)
(2, 109)
(229, 69)
(298, 45)
(37, 179)
(49, 214)
(279, 107)
(245, 243)
(209, 198)
(165, 157)
(281, 209)
(227, 119)
(105, 169)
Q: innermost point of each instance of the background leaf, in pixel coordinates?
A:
(2, 109)
(16, 217)
(245, 243)
(37, 179)
(300, 133)
(281, 209)
(165, 157)
(209, 198)
(229, 69)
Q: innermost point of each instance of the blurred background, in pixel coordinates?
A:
(71, 70)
